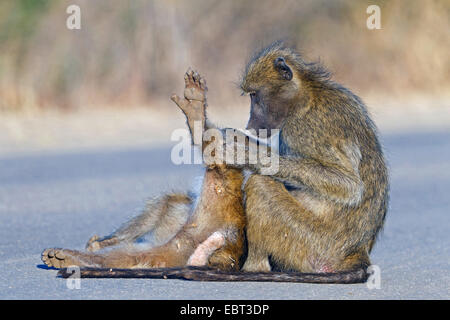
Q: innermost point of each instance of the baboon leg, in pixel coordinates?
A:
(164, 216)
(159, 257)
(257, 259)
(279, 226)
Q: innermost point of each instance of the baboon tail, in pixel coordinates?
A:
(208, 274)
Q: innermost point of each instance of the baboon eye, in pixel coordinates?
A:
(283, 68)
(254, 97)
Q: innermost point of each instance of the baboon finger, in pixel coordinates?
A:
(196, 77)
(180, 102)
(203, 83)
(186, 77)
(189, 77)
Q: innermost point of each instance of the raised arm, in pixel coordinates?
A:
(194, 104)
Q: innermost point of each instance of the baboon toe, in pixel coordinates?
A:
(93, 244)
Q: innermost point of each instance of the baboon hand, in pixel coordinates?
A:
(195, 86)
(194, 102)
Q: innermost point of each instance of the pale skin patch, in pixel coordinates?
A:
(206, 249)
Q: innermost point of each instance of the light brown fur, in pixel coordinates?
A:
(212, 236)
(322, 210)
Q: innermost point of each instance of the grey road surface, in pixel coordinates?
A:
(60, 200)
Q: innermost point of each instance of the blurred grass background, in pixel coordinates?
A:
(131, 53)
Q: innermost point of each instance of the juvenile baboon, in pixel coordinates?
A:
(319, 215)
(213, 235)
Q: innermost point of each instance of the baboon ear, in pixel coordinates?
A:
(283, 68)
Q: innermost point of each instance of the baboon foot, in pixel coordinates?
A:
(96, 243)
(63, 258)
(257, 264)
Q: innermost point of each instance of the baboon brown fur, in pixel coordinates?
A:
(213, 235)
(321, 212)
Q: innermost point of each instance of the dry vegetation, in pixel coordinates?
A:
(135, 52)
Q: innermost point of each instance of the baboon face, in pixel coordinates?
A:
(269, 83)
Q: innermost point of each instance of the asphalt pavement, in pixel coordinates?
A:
(61, 199)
